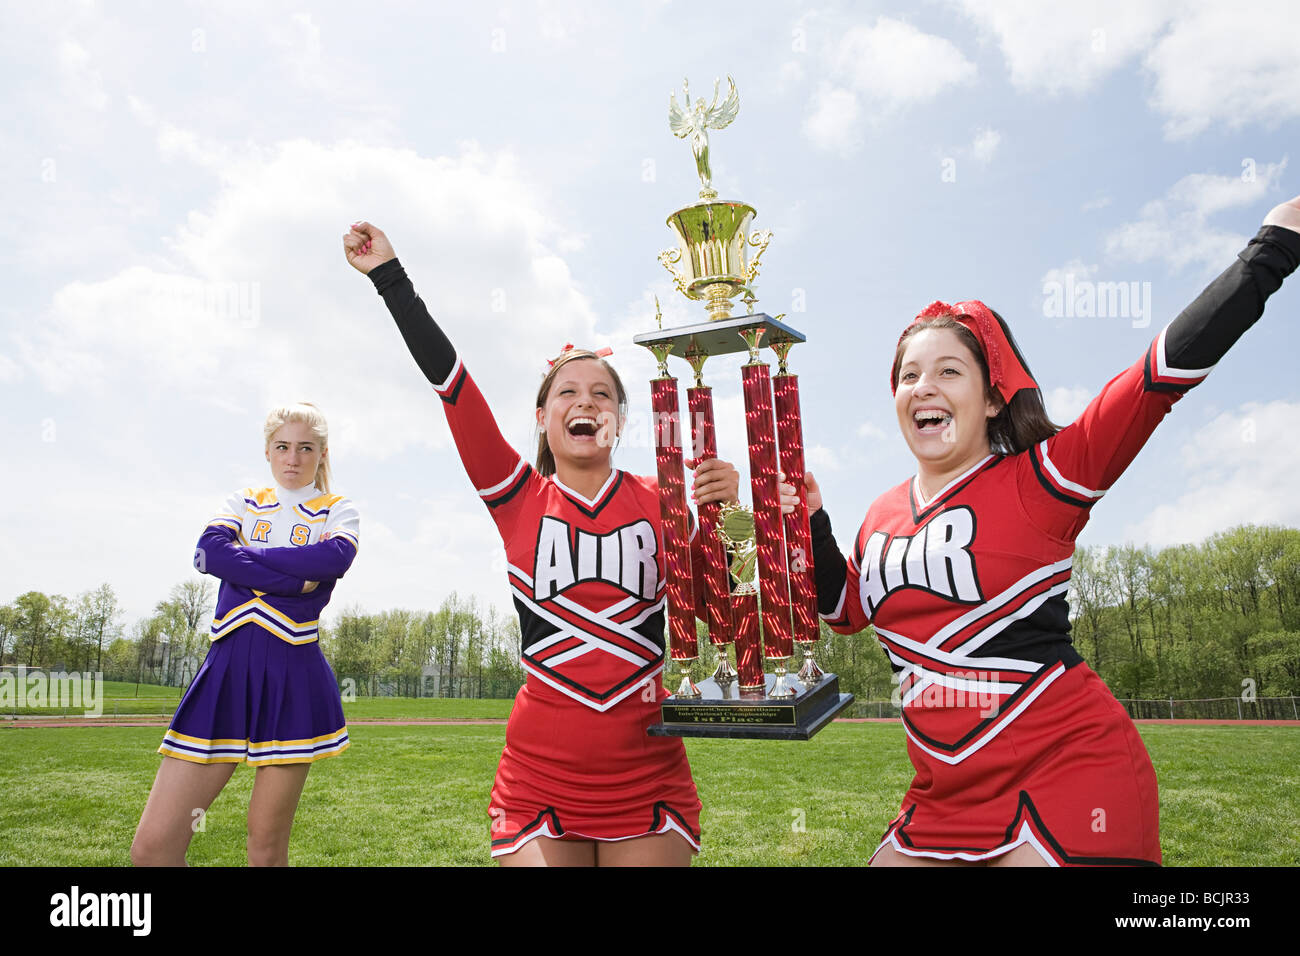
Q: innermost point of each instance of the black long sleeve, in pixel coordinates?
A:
(829, 566)
(1206, 329)
(429, 346)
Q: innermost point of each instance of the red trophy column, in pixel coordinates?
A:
(774, 583)
(717, 576)
(749, 647)
(803, 589)
(675, 529)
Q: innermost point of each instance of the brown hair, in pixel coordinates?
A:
(545, 457)
(1020, 423)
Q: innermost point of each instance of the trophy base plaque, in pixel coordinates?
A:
(752, 715)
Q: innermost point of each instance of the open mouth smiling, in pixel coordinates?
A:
(582, 427)
(929, 420)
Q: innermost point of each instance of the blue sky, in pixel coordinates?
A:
(178, 177)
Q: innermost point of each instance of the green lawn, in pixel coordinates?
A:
(418, 795)
(426, 708)
(118, 698)
(115, 697)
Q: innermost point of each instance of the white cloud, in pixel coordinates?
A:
(1067, 47)
(871, 430)
(1210, 62)
(985, 145)
(1099, 203)
(1064, 405)
(260, 270)
(300, 40)
(1228, 65)
(790, 74)
(832, 122)
(253, 303)
(1076, 268)
(1176, 229)
(85, 83)
(896, 64)
(1240, 468)
(878, 70)
(10, 371)
(821, 458)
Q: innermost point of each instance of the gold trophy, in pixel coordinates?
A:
(712, 261)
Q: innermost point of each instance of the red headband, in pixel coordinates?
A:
(1007, 371)
(568, 347)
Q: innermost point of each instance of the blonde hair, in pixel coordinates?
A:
(307, 414)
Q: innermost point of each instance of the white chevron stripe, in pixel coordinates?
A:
(996, 728)
(1061, 479)
(501, 485)
(451, 377)
(1163, 368)
(1010, 594)
(632, 689)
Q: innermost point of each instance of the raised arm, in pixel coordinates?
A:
(497, 471)
(1079, 464)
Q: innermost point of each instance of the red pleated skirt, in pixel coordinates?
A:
(570, 772)
(1068, 776)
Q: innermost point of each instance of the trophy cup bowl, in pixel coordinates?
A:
(713, 240)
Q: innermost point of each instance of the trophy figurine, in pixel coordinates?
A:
(712, 261)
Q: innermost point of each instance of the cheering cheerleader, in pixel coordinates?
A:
(580, 782)
(1022, 754)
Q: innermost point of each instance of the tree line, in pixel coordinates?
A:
(1219, 619)
(459, 650)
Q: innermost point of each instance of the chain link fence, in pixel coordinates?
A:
(1169, 708)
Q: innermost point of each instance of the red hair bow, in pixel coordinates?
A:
(1008, 372)
(568, 347)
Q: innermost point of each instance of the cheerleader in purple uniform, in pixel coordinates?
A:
(265, 694)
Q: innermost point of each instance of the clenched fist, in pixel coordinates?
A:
(366, 246)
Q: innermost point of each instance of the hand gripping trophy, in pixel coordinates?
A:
(711, 262)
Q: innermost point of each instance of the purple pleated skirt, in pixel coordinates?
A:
(259, 699)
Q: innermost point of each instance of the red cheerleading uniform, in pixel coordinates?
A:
(1015, 740)
(587, 579)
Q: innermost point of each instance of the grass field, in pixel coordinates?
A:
(417, 795)
(120, 698)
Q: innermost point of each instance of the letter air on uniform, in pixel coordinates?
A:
(554, 569)
(640, 570)
(625, 558)
(936, 559)
(951, 568)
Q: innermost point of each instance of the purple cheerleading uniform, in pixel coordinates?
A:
(265, 693)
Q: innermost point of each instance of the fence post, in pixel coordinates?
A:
(1239, 717)
(1171, 708)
